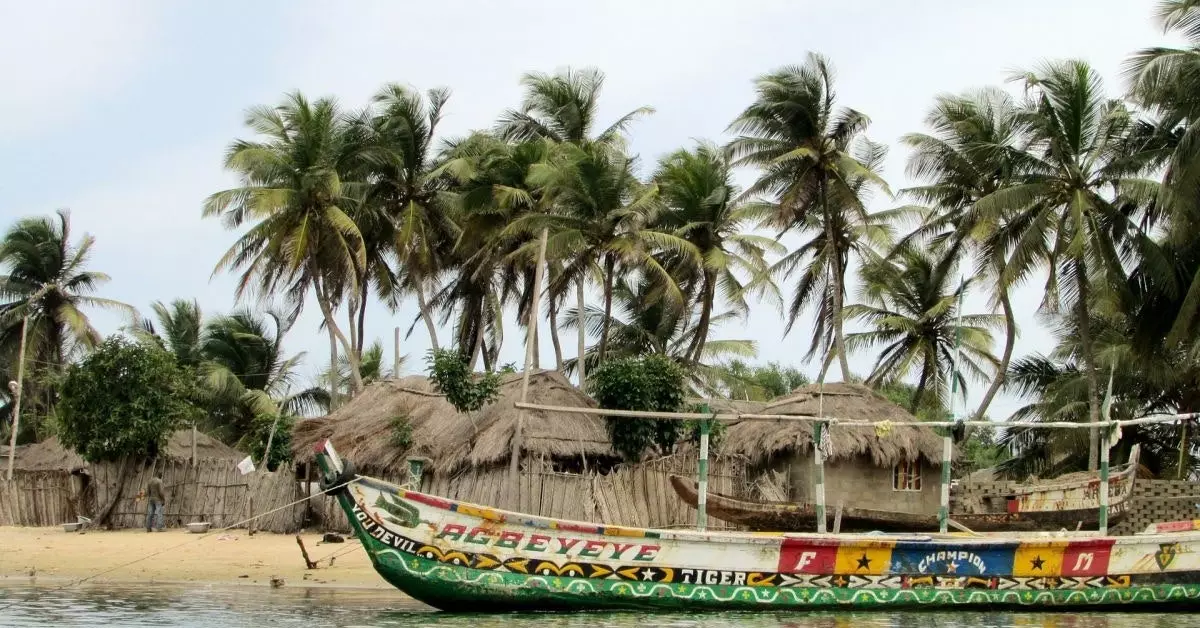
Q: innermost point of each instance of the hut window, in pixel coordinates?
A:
(906, 476)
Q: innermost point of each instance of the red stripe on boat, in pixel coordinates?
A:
(580, 528)
(429, 500)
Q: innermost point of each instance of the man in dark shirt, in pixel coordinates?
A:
(156, 500)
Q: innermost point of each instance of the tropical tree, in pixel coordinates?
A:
(803, 145)
(1062, 207)
(911, 306)
(404, 193)
(646, 324)
(248, 375)
(296, 199)
(761, 382)
(972, 150)
(563, 109)
(46, 288)
(700, 207)
(179, 329)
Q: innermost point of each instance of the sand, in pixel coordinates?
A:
(32, 555)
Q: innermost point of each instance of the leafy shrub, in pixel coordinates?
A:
(654, 383)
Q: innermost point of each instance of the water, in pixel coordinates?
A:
(236, 607)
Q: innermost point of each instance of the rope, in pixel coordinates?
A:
(355, 546)
(189, 541)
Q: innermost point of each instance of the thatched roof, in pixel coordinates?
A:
(51, 455)
(362, 429)
(731, 405)
(759, 440)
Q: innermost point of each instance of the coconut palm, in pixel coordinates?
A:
(404, 190)
(46, 288)
(563, 108)
(646, 324)
(700, 207)
(248, 375)
(971, 151)
(1061, 206)
(802, 143)
(296, 198)
(179, 329)
(911, 305)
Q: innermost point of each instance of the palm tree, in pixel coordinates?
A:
(179, 330)
(562, 108)
(648, 325)
(601, 225)
(912, 308)
(971, 151)
(45, 288)
(296, 198)
(248, 374)
(697, 189)
(405, 189)
(802, 143)
(1061, 206)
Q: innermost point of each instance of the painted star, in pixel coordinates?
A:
(951, 567)
(648, 574)
(1037, 562)
(864, 562)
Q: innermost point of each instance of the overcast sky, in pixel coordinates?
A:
(120, 111)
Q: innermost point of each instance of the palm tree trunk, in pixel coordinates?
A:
(825, 366)
(609, 269)
(1089, 364)
(334, 376)
(554, 339)
(581, 363)
(362, 316)
(477, 345)
(352, 315)
(427, 315)
(927, 369)
(1010, 340)
(324, 303)
(708, 296)
(839, 285)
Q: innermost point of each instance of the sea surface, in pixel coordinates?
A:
(234, 607)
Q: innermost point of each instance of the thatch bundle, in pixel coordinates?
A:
(887, 445)
(51, 455)
(362, 430)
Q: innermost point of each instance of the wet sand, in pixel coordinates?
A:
(226, 558)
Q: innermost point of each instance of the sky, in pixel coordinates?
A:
(121, 111)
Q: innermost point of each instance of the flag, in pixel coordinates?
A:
(246, 465)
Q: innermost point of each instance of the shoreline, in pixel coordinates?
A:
(52, 557)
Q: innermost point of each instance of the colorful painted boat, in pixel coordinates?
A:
(463, 557)
(1054, 505)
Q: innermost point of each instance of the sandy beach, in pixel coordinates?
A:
(29, 555)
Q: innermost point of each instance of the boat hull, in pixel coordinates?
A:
(461, 557)
(802, 516)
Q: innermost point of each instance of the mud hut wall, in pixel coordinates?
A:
(858, 482)
(37, 498)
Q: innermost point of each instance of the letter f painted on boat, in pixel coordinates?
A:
(804, 560)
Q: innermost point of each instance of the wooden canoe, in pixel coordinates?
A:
(1052, 505)
(465, 557)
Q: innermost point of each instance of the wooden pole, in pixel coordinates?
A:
(396, 359)
(944, 508)
(702, 474)
(308, 563)
(1104, 453)
(581, 365)
(16, 422)
(819, 464)
(193, 443)
(270, 439)
(514, 461)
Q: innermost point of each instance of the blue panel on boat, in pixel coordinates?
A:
(992, 559)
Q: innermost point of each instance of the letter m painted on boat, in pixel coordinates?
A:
(1084, 561)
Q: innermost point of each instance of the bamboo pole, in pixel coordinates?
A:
(193, 443)
(16, 422)
(947, 441)
(702, 475)
(1104, 453)
(730, 417)
(515, 455)
(944, 508)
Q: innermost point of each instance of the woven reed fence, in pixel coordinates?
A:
(213, 491)
(634, 495)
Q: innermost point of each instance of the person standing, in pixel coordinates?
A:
(156, 500)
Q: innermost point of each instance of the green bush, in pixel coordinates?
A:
(401, 434)
(653, 383)
(452, 376)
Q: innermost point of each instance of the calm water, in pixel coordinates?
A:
(236, 607)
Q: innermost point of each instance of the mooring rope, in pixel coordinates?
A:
(341, 552)
(227, 528)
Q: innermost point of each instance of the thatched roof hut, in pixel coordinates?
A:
(51, 455)
(761, 440)
(362, 429)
